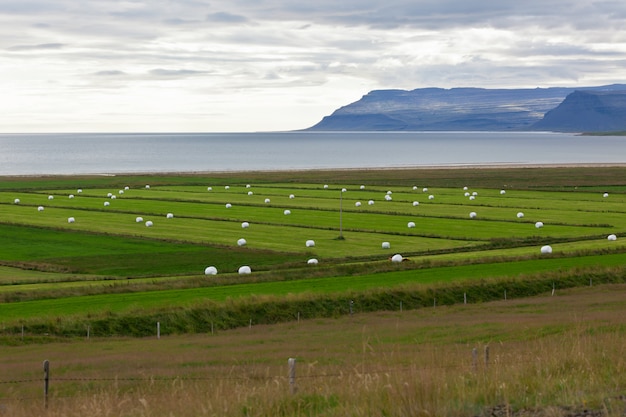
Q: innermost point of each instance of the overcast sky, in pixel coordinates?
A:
(259, 65)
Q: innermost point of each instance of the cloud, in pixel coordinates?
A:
(109, 73)
(40, 47)
(226, 18)
(179, 73)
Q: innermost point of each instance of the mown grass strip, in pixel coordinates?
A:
(126, 303)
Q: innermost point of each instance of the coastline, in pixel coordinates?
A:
(499, 165)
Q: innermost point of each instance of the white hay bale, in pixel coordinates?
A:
(312, 261)
(388, 197)
(149, 223)
(425, 189)
(291, 196)
(228, 205)
(466, 194)
(250, 193)
(120, 192)
(79, 191)
(357, 204)
(386, 245)
(416, 203)
(287, 212)
(107, 204)
(343, 190)
(127, 188)
(71, 220)
(113, 197)
(138, 219)
(472, 215)
(40, 208)
(310, 243)
(247, 185)
(414, 187)
(245, 225)
(464, 188)
(539, 225)
(472, 197)
(209, 188)
(169, 216)
(410, 225)
(502, 192)
(431, 197)
(147, 187)
(475, 193)
(16, 201)
(267, 201)
(605, 195)
(371, 202)
(71, 196)
(50, 197)
(244, 270)
(612, 237)
(241, 242)
(396, 258)
(227, 187)
(389, 192)
(325, 186)
(520, 215)
(210, 270)
(362, 187)
(546, 249)
(109, 195)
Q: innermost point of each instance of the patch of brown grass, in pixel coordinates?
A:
(544, 353)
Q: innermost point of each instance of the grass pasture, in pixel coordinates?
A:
(372, 337)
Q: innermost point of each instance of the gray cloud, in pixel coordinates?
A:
(225, 17)
(109, 73)
(42, 46)
(179, 73)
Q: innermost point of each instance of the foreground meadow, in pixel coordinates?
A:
(550, 355)
(197, 265)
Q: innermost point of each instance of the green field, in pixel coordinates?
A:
(106, 261)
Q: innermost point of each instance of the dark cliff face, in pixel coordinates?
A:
(587, 111)
(471, 109)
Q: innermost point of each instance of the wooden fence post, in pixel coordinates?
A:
(464, 298)
(46, 381)
(158, 330)
(475, 359)
(351, 307)
(292, 375)
(486, 357)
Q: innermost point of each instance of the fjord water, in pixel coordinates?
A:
(115, 153)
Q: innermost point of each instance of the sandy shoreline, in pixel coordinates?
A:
(504, 165)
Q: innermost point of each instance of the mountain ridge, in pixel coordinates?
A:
(461, 108)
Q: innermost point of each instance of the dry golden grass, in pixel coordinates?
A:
(544, 353)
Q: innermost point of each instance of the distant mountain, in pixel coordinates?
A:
(456, 109)
(587, 111)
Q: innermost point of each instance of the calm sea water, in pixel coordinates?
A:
(89, 153)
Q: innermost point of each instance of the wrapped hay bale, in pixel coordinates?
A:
(546, 249)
